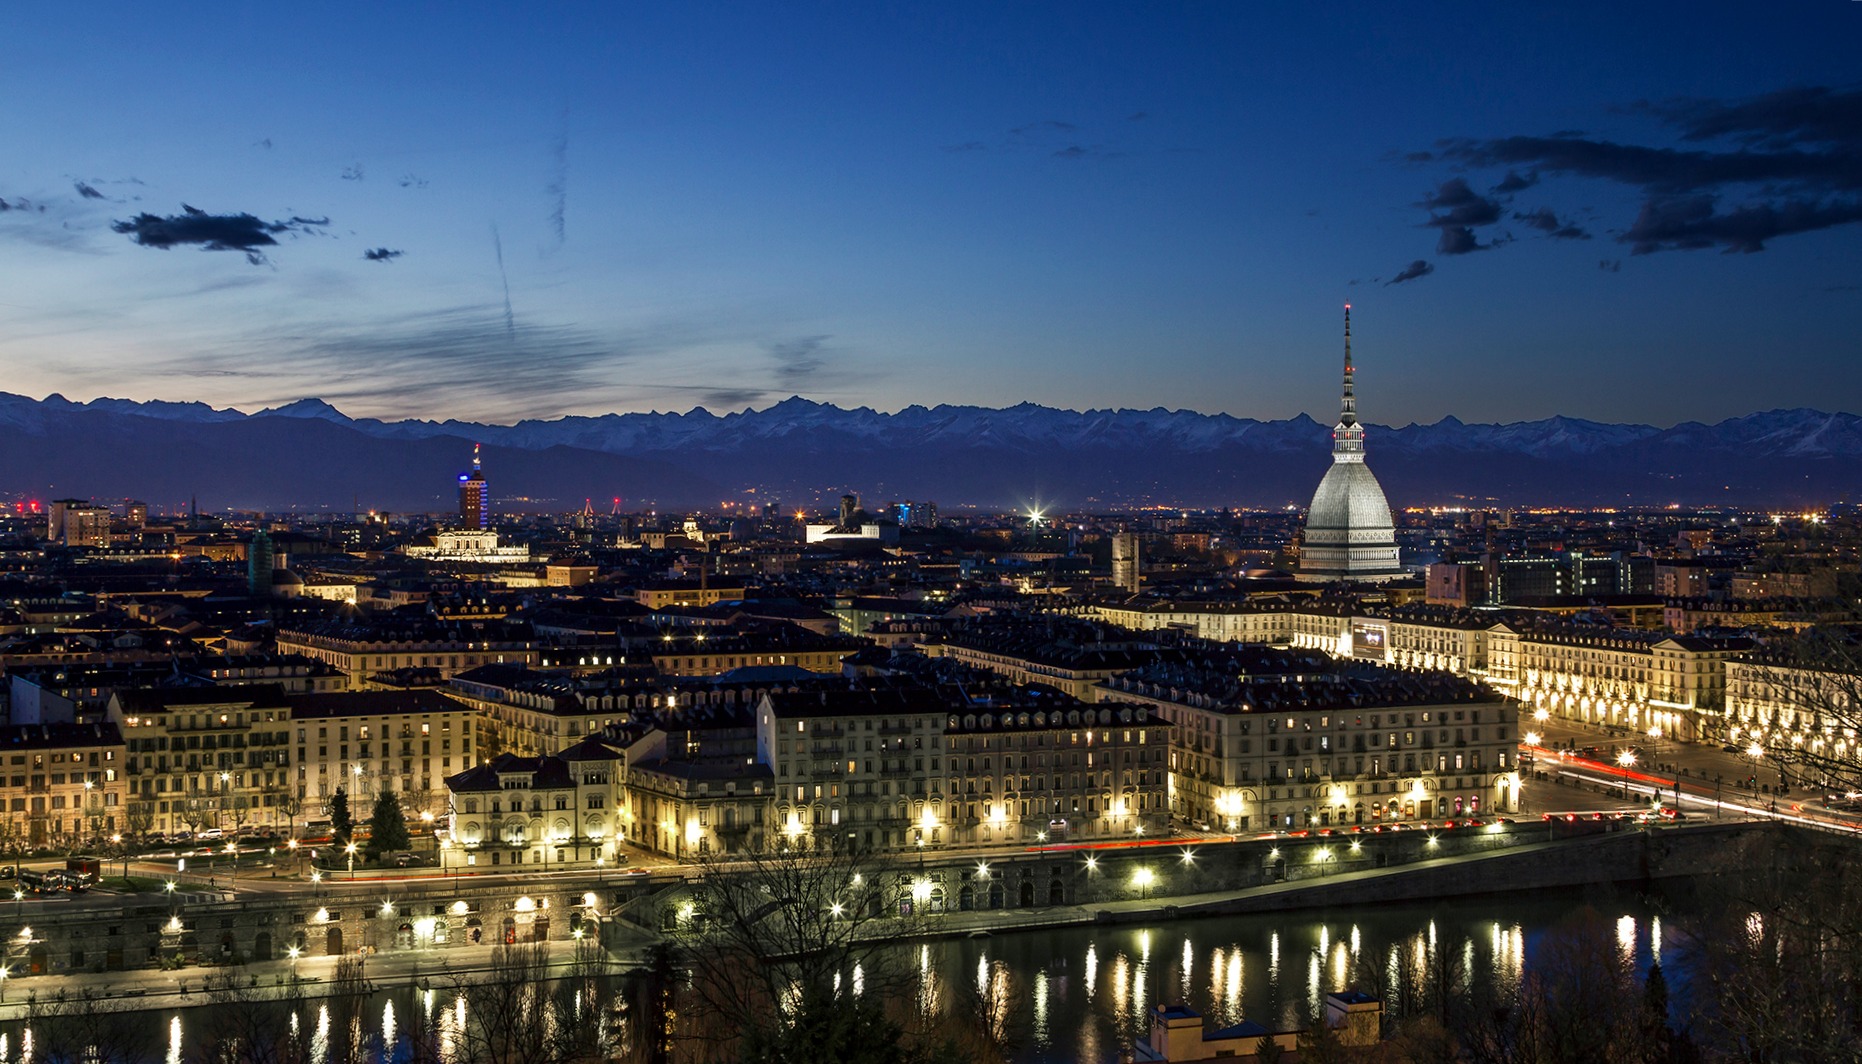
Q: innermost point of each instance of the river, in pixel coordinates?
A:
(1074, 994)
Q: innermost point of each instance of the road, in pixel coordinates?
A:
(1697, 779)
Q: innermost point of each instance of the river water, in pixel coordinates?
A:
(1076, 994)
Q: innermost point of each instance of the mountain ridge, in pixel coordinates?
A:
(963, 454)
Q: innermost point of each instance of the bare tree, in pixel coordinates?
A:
(519, 1014)
(84, 1028)
(1776, 958)
(794, 956)
(290, 803)
(1807, 694)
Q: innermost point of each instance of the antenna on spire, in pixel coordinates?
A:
(477, 466)
(1348, 411)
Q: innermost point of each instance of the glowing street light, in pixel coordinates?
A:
(1532, 738)
(293, 953)
(350, 849)
(1142, 879)
(1626, 758)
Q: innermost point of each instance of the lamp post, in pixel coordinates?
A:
(1626, 758)
(226, 778)
(293, 953)
(232, 851)
(350, 849)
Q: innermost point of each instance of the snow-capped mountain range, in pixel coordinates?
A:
(956, 455)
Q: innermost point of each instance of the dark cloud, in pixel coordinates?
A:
(1459, 240)
(731, 398)
(1419, 268)
(1456, 210)
(5, 206)
(1610, 265)
(558, 188)
(86, 191)
(1515, 182)
(265, 144)
(212, 232)
(412, 181)
(1671, 223)
(1811, 115)
(497, 247)
(1459, 205)
(382, 254)
(1047, 125)
(459, 356)
(1742, 172)
(797, 360)
(353, 173)
(1546, 221)
(1086, 151)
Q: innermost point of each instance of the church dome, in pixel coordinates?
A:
(1348, 498)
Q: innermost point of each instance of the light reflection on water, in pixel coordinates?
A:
(1041, 993)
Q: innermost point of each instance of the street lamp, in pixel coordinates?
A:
(350, 849)
(1143, 878)
(1626, 758)
(293, 953)
(225, 779)
(232, 851)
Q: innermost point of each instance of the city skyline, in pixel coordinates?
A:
(495, 219)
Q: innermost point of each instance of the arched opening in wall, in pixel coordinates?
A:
(996, 895)
(966, 898)
(333, 942)
(539, 929)
(300, 941)
(262, 946)
(510, 931)
(1457, 805)
(404, 937)
(1056, 892)
(475, 931)
(1358, 814)
(1027, 894)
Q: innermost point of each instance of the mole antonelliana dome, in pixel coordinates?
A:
(1349, 534)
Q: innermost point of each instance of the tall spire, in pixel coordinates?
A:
(1348, 435)
(478, 467)
(1348, 412)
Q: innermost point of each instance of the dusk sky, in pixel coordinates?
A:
(1635, 212)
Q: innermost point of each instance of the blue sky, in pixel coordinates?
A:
(617, 207)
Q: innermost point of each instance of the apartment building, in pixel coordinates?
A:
(1262, 738)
